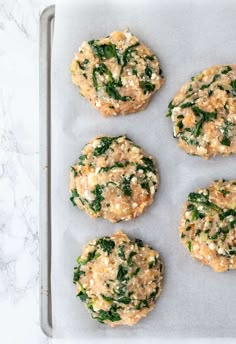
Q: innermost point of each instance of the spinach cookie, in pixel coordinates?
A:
(203, 113)
(118, 74)
(114, 179)
(118, 279)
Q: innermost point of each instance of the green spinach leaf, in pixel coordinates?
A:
(106, 244)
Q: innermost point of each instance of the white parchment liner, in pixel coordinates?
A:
(187, 36)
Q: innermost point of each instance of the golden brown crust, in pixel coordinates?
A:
(117, 74)
(208, 225)
(114, 179)
(118, 279)
(204, 113)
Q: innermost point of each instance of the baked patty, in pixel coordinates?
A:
(204, 113)
(117, 74)
(118, 279)
(208, 225)
(114, 179)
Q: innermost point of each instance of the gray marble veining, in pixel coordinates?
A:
(19, 152)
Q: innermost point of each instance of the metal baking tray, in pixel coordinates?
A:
(46, 36)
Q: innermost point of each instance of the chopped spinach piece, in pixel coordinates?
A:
(148, 72)
(210, 93)
(204, 117)
(154, 294)
(148, 167)
(195, 197)
(126, 185)
(226, 70)
(139, 242)
(95, 205)
(134, 71)
(186, 135)
(180, 124)
(74, 194)
(148, 162)
(106, 298)
(74, 171)
(134, 273)
(91, 255)
(152, 263)
(82, 295)
(81, 159)
(145, 185)
(207, 115)
(147, 86)
(131, 255)
(121, 291)
(233, 84)
(111, 315)
(141, 304)
(151, 58)
(105, 143)
(213, 237)
(90, 306)
(190, 88)
(225, 141)
(186, 105)
(103, 51)
(226, 213)
(82, 64)
(198, 231)
(204, 86)
(127, 55)
(190, 246)
(195, 212)
(101, 69)
(124, 299)
(110, 87)
(216, 77)
(170, 108)
(77, 274)
(121, 251)
(122, 273)
(182, 235)
(224, 192)
(97, 49)
(227, 133)
(109, 50)
(113, 93)
(106, 244)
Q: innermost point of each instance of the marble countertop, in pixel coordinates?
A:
(19, 179)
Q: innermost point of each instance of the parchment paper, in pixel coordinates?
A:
(187, 36)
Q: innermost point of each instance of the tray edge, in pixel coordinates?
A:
(46, 31)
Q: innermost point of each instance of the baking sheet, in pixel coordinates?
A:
(187, 36)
